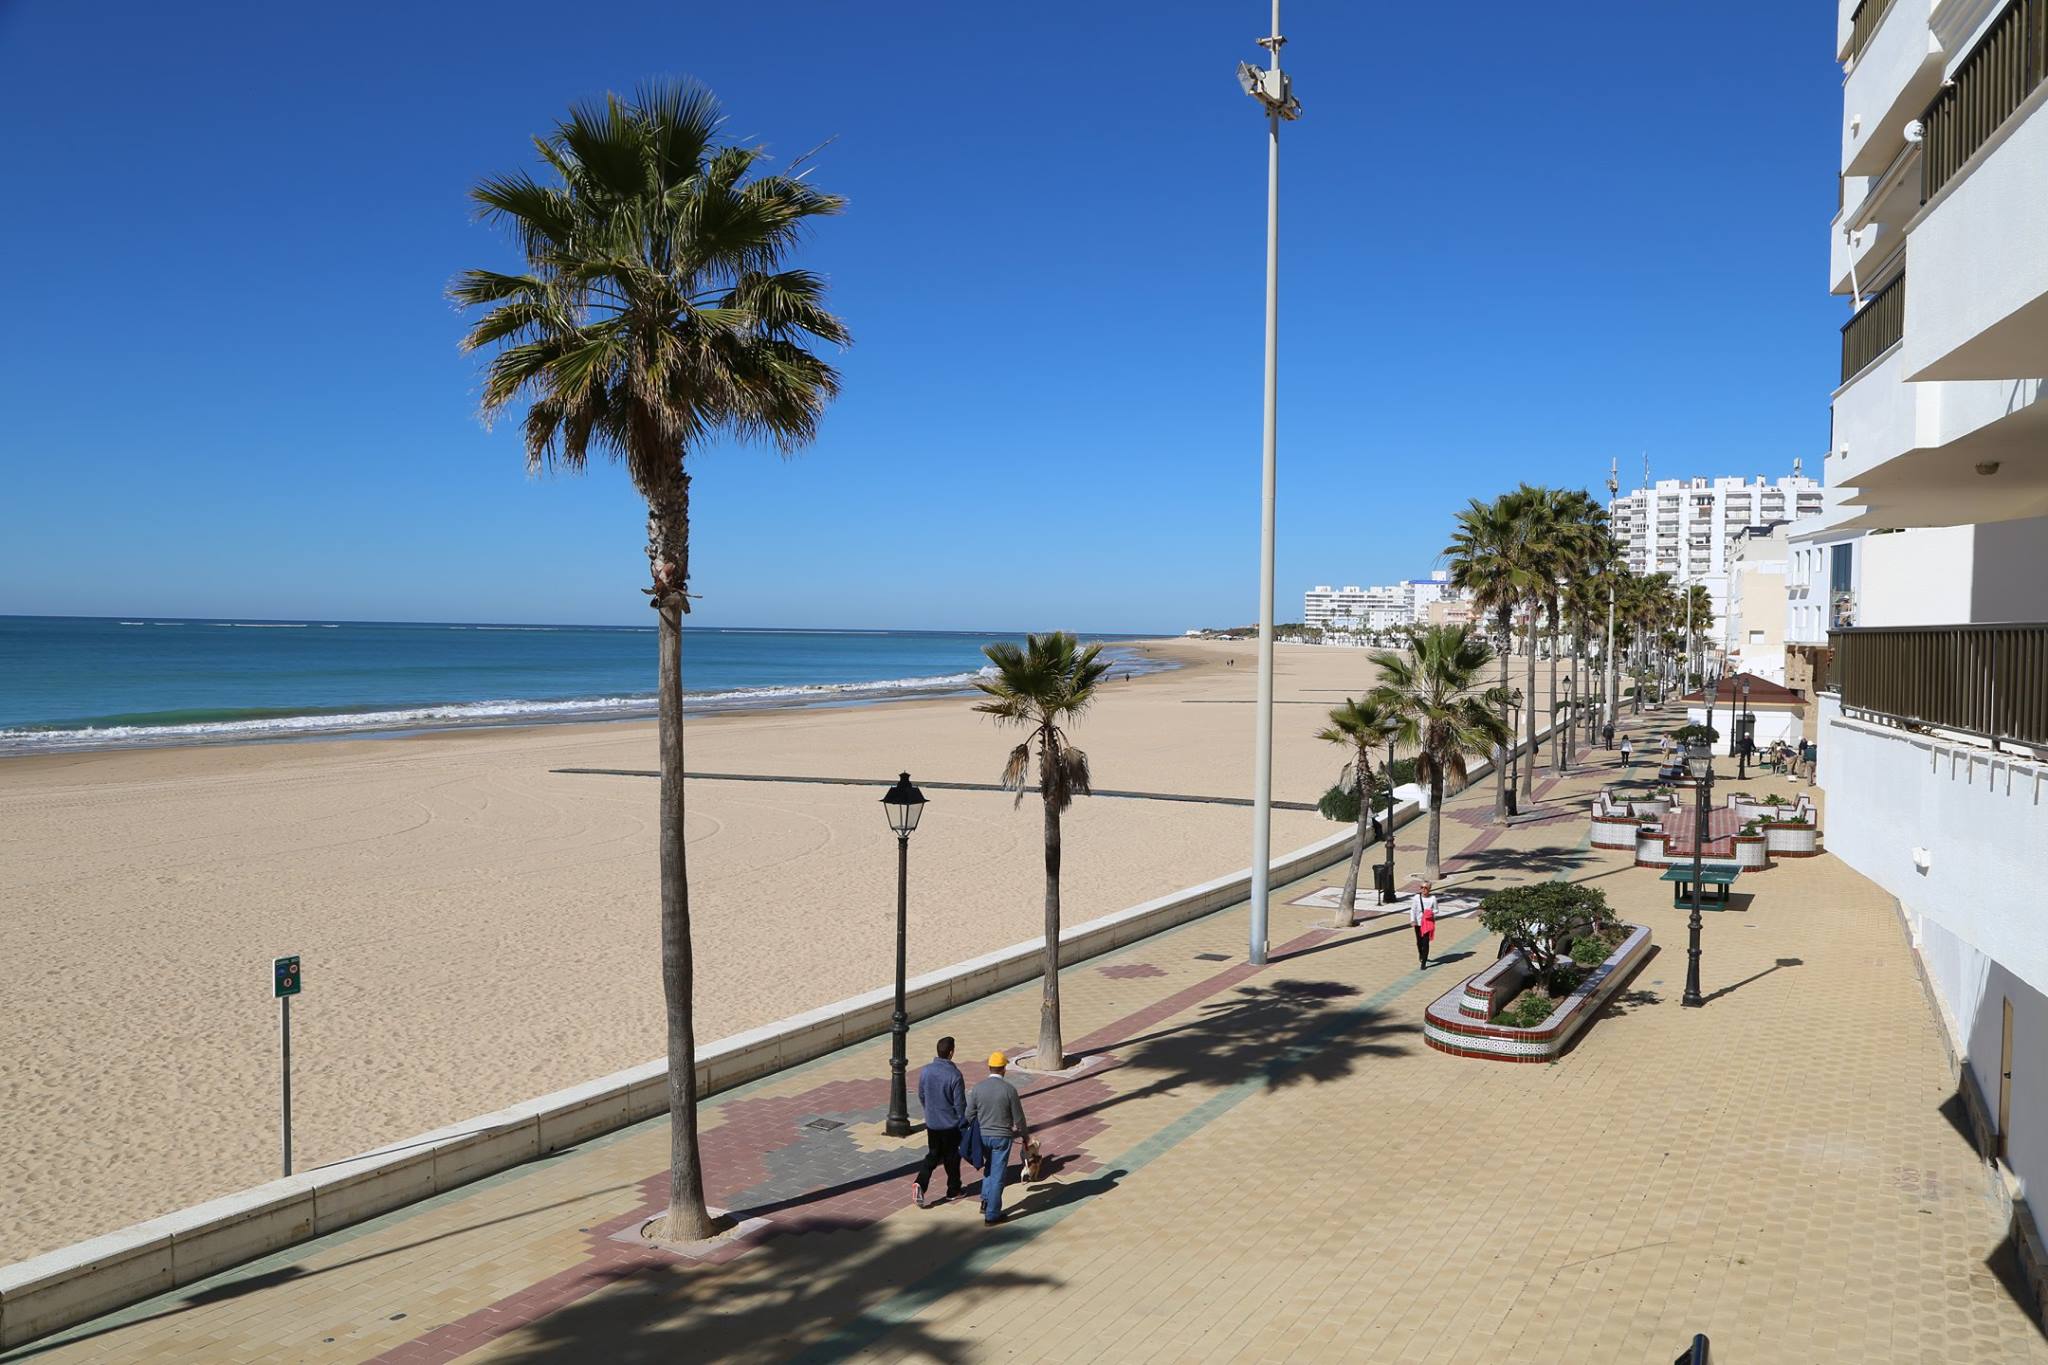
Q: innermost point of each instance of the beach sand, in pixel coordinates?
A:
(478, 929)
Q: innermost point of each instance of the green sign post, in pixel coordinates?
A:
(284, 984)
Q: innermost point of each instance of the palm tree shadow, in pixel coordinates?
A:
(820, 1296)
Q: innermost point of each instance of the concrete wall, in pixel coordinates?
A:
(1916, 578)
(2009, 571)
(1974, 911)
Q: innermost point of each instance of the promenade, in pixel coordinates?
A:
(1262, 1164)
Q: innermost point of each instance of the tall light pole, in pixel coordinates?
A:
(1699, 757)
(902, 804)
(1271, 88)
(1613, 665)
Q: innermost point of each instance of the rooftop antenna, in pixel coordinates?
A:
(1613, 478)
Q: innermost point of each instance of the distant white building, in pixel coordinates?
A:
(1377, 608)
(1681, 527)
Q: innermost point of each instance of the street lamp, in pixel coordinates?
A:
(1564, 730)
(902, 804)
(1515, 749)
(1699, 759)
(1742, 734)
(1387, 895)
(1272, 89)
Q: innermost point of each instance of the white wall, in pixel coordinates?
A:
(2009, 572)
(1916, 578)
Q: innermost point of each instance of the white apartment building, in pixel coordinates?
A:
(1933, 570)
(1376, 608)
(1681, 527)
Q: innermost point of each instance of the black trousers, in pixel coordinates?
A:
(941, 1148)
(1421, 946)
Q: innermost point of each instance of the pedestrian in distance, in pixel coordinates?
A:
(1422, 919)
(1607, 733)
(942, 1094)
(1627, 751)
(997, 1110)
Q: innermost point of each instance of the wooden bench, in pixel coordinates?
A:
(1716, 881)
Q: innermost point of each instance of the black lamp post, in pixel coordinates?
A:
(1742, 735)
(1699, 757)
(1515, 750)
(902, 803)
(1387, 897)
(1564, 729)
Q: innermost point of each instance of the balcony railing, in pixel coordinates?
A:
(1863, 24)
(2000, 72)
(1990, 681)
(1876, 328)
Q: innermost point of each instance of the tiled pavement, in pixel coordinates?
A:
(1262, 1164)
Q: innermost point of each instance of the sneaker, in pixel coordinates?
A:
(917, 1195)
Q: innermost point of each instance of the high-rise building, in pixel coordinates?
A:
(1682, 527)
(1931, 577)
(1377, 608)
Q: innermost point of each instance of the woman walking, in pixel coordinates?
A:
(1627, 751)
(1422, 919)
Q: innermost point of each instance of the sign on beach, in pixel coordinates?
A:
(284, 977)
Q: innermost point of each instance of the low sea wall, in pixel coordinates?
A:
(60, 1288)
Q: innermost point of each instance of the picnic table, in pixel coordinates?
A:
(1712, 876)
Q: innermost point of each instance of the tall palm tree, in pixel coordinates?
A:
(1361, 728)
(1542, 557)
(655, 313)
(1485, 561)
(1578, 539)
(1429, 688)
(1701, 603)
(1044, 687)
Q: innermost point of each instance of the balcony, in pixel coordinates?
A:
(1863, 22)
(1988, 86)
(1990, 682)
(1896, 73)
(1878, 327)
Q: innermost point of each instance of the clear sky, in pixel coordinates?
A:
(1516, 240)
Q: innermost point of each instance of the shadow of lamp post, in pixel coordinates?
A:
(903, 804)
(1699, 757)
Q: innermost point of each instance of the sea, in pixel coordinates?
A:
(78, 683)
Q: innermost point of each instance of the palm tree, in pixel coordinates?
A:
(1360, 727)
(655, 313)
(1429, 689)
(1049, 681)
(1701, 615)
(1578, 540)
(1485, 561)
(1542, 558)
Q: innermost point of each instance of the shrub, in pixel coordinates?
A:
(1539, 918)
(1752, 827)
(1686, 734)
(1775, 800)
(1526, 1010)
(1340, 803)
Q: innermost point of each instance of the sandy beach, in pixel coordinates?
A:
(478, 927)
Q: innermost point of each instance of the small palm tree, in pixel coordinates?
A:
(1429, 689)
(1361, 728)
(1043, 687)
(653, 314)
(1485, 556)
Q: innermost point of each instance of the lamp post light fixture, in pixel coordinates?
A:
(1742, 740)
(1275, 93)
(902, 804)
(1515, 750)
(1699, 760)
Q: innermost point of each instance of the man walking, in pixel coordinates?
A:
(942, 1094)
(1422, 919)
(995, 1107)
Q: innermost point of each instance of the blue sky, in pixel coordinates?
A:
(1515, 243)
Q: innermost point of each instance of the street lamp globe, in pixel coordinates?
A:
(1699, 759)
(903, 804)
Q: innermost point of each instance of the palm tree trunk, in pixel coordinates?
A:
(1529, 710)
(1344, 918)
(1052, 1050)
(1432, 866)
(1500, 751)
(1556, 744)
(687, 1221)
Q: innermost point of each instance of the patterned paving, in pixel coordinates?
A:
(1260, 1164)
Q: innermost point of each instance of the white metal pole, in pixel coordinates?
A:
(1262, 760)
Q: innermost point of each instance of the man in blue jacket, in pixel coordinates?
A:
(942, 1094)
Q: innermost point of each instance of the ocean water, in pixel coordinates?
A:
(70, 683)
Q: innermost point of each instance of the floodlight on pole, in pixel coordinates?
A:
(1272, 89)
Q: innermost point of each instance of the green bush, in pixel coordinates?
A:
(1686, 734)
(1340, 803)
(1776, 800)
(1527, 1010)
(1541, 917)
(1752, 827)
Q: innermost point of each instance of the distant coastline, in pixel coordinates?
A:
(85, 684)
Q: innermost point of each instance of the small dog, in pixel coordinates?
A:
(1034, 1162)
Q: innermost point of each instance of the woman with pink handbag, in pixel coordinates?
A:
(1422, 919)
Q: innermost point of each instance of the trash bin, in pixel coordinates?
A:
(1383, 883)
(1514, 807)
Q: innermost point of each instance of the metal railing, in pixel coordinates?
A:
(1997, 76)
(1990, 681)
(1863, 25)
(1877, 326)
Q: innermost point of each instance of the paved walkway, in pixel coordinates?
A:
(1262, 1164)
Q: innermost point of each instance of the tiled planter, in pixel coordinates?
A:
(1460, 1021)
(1752, 852)
(1614, 830)
(1786, 840)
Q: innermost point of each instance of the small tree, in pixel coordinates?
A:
(1359, 728)
(1542, 919)
(1686, 734)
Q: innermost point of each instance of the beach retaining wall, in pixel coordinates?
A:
(74, 1284)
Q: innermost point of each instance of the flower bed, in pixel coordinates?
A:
(1462, 1020)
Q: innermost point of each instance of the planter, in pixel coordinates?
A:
(1787, 840)
(1460, 1021)
(1752, 852)
(1614, 829)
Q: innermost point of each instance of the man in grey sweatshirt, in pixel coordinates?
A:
(995, 1107)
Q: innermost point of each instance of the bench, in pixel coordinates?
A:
(1716, 881)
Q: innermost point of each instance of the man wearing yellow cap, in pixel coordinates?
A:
(995, 1107)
